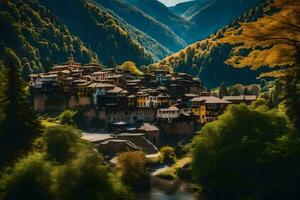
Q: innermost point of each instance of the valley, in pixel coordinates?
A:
(149, 99)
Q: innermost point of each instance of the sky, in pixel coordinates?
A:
(172, 2)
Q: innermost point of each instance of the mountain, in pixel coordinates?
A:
(37, 37)
(145, 23)
(216, 15)
(163, 14)
(99, 30)
(187, 9)
(205, 59)
(208, 16)
(42, 33)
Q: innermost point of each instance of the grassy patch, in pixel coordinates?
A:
(171, 172)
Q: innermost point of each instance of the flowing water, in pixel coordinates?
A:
(169, 190)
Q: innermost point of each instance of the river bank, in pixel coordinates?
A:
(162, 189)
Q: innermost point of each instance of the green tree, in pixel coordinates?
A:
(246, 91)
(84, 178)
(112, 62)
(67, 117)
(167, 154)
(247, 154)
(223, 90)
(273, 41)
(30, 178)
(19, 126)
(133, 171)
(61, 143)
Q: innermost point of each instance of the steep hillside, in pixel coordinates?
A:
(152, 46)
(189, 8)
(99, 30)
(216, 15)
(162, 14)
(145, 23)
(205, 58)
(37, 37)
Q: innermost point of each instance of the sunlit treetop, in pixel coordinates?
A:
(273, 40)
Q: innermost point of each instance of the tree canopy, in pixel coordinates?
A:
(19, 125)
(247, 154)
(272, 41)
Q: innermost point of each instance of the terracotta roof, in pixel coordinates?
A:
(115, 90)
(171, 108)
(240, 98)
(99, 72)
(101, 85)
(210, 100)
(190, 95)
(148, 127)
(48, 75)
(96, 137)
(163, 95)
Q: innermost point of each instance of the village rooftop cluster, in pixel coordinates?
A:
(138, 105)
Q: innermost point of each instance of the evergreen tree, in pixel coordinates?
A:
(112, 62)
(19, 125)
(246, 91)
(223, 90)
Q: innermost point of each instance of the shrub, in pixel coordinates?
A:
(84, 178)
(133, 171)
(61, 143)
(67, 117)
(30, 178)
(167, 154)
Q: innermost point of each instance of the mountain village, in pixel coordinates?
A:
(137, 110)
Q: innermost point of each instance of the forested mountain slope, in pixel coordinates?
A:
(187, 9)
(37, 37)
(99, 30)
(163, 14)
(145, 23)
(206, 58)
(216, 15)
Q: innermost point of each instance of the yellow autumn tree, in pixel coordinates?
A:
(130, 66)
(272, 41)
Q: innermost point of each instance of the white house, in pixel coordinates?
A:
(168, 113)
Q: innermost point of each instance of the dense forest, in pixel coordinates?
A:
(206, 58)
(248, 152)
(37, 37)
(42, 37)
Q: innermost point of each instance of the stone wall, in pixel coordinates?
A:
(181, 128)
(58, 102)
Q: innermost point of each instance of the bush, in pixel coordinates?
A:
(84, 178)
(79, 173)
(30, 178)
(167, 154)
(67, 117)
(61, 143)
(133, 171)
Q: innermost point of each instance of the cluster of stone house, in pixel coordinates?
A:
(175, 102)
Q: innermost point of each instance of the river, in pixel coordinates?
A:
(169, 190)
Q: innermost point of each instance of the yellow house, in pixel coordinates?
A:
(200, 112)
(163, 100)
(198, 109)
(142, 100)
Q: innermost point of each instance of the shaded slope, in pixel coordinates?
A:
(205, 59)
(145, 23)
(162, 14)
(99, 30)
(37, 37)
